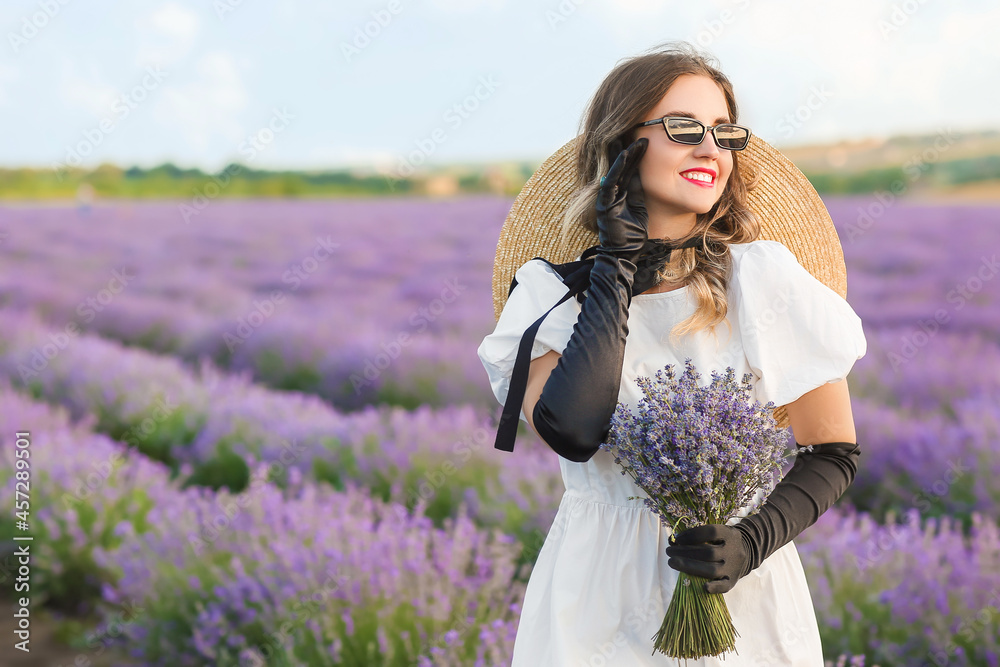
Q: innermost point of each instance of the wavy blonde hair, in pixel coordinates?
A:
(628, 93)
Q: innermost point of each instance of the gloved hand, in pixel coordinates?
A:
(573, 412)
(724, 554)
(623, 225)
(622, 219)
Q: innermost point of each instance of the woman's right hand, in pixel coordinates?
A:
(578, 391)
(622, 220)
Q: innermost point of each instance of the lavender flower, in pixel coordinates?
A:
(701, 454)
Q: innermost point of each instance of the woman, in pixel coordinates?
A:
(656, 170)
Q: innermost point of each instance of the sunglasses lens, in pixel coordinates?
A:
(685, 131)
(732, 137)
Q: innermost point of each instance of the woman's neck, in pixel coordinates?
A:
(669, 226)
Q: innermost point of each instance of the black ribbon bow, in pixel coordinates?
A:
(655, 255)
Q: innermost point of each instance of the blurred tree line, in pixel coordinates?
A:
(236, 180)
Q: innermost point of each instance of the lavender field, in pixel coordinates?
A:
(265, 437)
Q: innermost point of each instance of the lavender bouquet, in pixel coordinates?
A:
(700, 453)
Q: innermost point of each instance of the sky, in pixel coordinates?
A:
(397, 84)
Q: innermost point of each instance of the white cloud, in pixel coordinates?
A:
(973, 34)
(177, 21)
(86, 95)
(167, 34)
(931, 71)
(891, 81)
(209, 106)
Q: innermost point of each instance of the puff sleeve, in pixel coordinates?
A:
(798, 334)
(538, 288)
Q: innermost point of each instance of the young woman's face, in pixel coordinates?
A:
(668, 190)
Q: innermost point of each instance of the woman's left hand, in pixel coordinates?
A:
(715, 552)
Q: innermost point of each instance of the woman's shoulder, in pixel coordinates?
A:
(761, 248)
(764, 257)
(535, 285)
(537, 272)
(770, 267)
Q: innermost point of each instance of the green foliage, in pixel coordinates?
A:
(64, 575)
(170, 181)
(225, 469)
(420, 389)
(154, 434)
(275, 371)
(239, 181)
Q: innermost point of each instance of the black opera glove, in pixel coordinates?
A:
(622, 219)
(724, 554)
(573, 413)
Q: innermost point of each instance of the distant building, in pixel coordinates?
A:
(442, 185)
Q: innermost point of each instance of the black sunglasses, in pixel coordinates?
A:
(692, 132)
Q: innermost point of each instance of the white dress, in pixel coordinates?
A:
(601, 585)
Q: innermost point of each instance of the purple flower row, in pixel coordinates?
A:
(305, 295)
(155, 403)
(914, 590)
(357, 301)
(234, 574)
(314, 576)
(913, 456)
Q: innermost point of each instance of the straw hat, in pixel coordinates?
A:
(788, 207)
